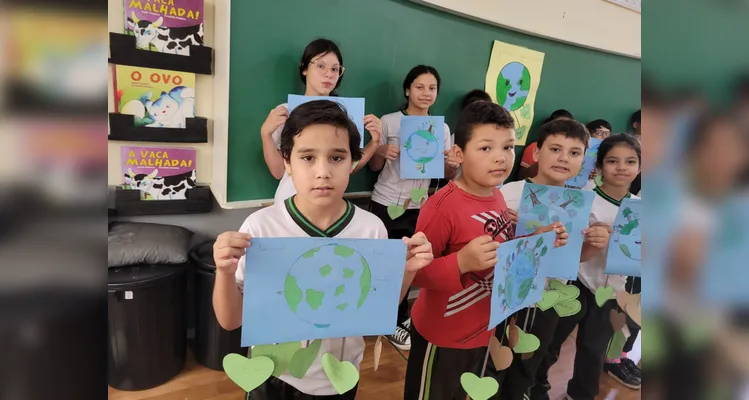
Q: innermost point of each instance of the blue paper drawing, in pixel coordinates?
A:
(317, 288)
(542, 205)
(589, 163)
(625, 245)
(724, 277)
(519, 275)
(354, 106)
(422, 143)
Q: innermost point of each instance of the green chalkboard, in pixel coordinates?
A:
(381, 40)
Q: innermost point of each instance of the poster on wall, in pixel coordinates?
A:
(512, 80)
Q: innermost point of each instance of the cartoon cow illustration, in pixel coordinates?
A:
(162, 188)
(167, 40)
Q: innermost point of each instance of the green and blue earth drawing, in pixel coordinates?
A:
(327, 283)
(513, 86)
(421, 147)
(628, 236)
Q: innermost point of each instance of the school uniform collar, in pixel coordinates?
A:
(610, 199)
(310, 228)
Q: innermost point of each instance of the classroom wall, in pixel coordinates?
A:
(617, 29)
(203, 101)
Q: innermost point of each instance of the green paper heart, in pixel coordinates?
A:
(548, 300)
(343, 375)
(568, 292)
(598, 180)
(280, 354)
(396, 211)
(479, 388)
(520, 132)
(568, 308)
(527, 342)
(525, 112)
(617, 345)
(604, 294)
(418, 194)
(247, 373)
(303, 359)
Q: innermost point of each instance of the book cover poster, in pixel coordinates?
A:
(155, 97)
(159, 173)
(165, 26)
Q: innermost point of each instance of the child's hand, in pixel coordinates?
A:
(558, 227)
(228, 249)
(373, 125)
(513, 215)
(450, 157)
(389, 151)
(479, 254)
(598, 234)
(419, 253)
(276, 118)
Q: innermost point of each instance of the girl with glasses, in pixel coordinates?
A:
(321, 70)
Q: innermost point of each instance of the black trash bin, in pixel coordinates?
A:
(212, 342)
(147, 325)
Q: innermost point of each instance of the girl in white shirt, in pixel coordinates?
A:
(321, 70)
(420, 88)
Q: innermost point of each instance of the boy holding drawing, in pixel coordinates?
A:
(619, 163)
(559, 156)
(466, 221)
(319, 144)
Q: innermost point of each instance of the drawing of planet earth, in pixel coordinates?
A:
(513, 85)
(520, 277)
(422, 146)
(629, 239)
(327, 283)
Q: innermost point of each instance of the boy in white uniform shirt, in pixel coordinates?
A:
(619, 163)
(559, 156)
(319, 145)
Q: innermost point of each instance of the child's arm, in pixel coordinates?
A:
(419, 255)
(383, 152)
(275, 120)
(374, 126)
(596, 240)
(228, 254)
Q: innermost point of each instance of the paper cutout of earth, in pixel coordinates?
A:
(513, 85)
(327, 283)
(422, 147)
(627, 236)
(519, 279)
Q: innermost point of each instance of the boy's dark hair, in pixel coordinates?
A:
(480, 113)
(617, 140)
(319, 112)
(416, 72)
(474, 96)
(635, 118)
(561, 113)
(567, 127)
(599, 123)
(319, 47)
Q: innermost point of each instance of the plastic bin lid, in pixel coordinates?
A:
(141, 274)
(201, 256)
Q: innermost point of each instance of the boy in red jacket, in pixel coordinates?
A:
(465, 221)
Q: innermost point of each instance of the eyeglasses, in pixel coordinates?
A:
(323, 68)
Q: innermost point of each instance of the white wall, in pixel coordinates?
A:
(596, 24)
(203, 102)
